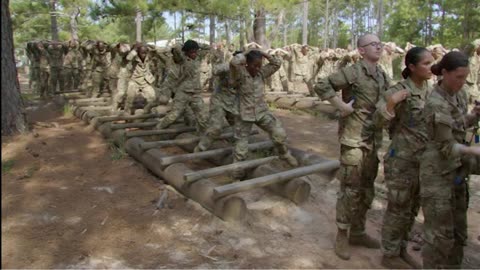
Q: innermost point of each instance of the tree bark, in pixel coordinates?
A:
(138, 23)
(285, 40)
(74, 22)
(212, 29)
(327, 22)
(380, 19)
(227, 31)
(276, 28)
(13, 115)
(305, 22)
(241, 32)
(335, 26)
(259, 27)
(53, 19)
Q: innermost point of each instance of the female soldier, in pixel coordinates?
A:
(443, 169)
(402, 107)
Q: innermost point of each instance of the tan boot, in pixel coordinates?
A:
(394, 262)
(364, 240)
(342, 248)
(410, 259)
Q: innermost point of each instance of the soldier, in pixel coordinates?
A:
(71, 65)
(42, 76)
(87, 47)
(303, 67)
(443, 167)
(223, 105)
(141, 81)
(124, 73)
(101, 63)
(249, 79)
(55, 51)
(402, 108)
(472, 79)
(34, 67)
(279, 80)
(187, 85)
(361, 83)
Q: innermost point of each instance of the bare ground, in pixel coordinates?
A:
(71, 201)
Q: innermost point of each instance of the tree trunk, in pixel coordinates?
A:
(285, 40)
(212, 29)
(74, 22)
(241, 32)
(305, 22)
(53, 19)
(259, 27)
(353, 38)
(13, 116)
(276, 28)
(334, 15)
(138, 23)
(327, 22)
(227, 31)
(380, 19)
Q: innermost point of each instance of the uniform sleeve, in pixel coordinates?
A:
(381, 116)
(326, 87)
(273, 65)
(441, 121)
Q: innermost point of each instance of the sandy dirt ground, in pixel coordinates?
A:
(71, 200)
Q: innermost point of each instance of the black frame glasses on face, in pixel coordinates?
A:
(374, 44)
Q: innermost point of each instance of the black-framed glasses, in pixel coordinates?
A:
(374, 44)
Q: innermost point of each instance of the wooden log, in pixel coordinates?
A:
(129, 117)
(273, 178)
(140, 133)
(286, 102)
(247, 164)
(133, 125)
(79, 100)
(210, 153)
(96, 108)
(185, 141)
(305, 104)
(272, 98)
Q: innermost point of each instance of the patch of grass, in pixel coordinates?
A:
(31, 170)
(117, 153)
(272, 105)
(7, 165)
(262, 153)
(28, 96)
(296, 111)
(68, 110)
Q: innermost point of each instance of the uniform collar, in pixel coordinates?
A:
(414, 89)
(365, 66)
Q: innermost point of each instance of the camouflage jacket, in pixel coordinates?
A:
(141, 71)
(224, 95)
(101, 60)
(251, 90)
(55, 55)
(72, 59)
(407, 129)
(446, 126)
(366, 88)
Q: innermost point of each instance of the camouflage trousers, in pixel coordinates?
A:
(86, 82)
(216, 123)
(308, 81)
(445, 227)
(269, 123)
(135, 89)
(357, 173)
(121, 88)
(181, 102)
(402, 179)
(71, 78)
(99, 83)
(56, 78)
(40, 81)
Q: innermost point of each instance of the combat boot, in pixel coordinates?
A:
(364, 240)
(394, 262)
(342, 248)
(289, 159)
(410, 260)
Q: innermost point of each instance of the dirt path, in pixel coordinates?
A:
(70, 201)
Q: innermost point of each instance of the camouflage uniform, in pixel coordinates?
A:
(55, 60)
(185, 81)
(443, 186)
(303, 70)
(359, 139)
(402, 164)
(71, 67)
(101, 60)
(141, 82)
(254, 110)
(87, 63)
(472, 78)
(42, 72)
(223, 105)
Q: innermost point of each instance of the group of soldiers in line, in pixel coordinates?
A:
(426, 165)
